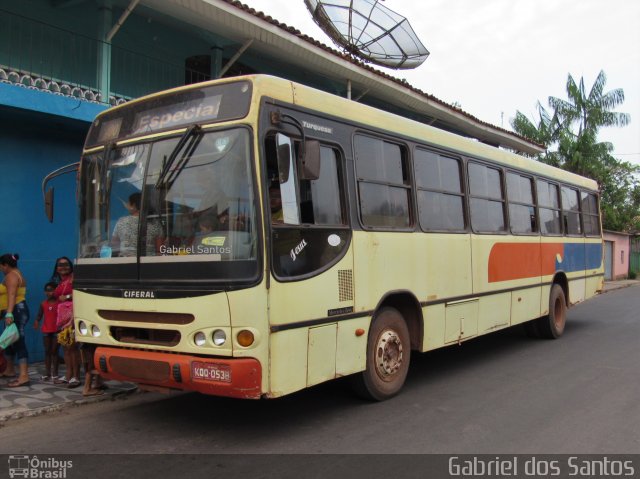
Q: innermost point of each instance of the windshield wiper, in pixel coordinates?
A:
(167, 176)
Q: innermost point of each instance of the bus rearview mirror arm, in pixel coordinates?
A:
(49, 194)
(309, 160)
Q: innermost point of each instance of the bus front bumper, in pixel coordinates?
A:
(238, 378)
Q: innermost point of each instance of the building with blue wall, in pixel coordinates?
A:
(64, 61)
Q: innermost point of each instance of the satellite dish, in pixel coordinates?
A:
(370, 31)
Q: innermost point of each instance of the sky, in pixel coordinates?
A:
(495, 57)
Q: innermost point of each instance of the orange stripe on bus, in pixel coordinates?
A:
(509, 261)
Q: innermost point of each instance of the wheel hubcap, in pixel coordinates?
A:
(388, 354)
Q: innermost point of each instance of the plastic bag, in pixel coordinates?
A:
(9, 336)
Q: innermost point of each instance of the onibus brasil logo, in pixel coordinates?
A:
(33, 467)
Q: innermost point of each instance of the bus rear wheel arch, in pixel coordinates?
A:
(388, 357)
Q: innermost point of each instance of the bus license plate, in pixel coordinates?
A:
(211, 372)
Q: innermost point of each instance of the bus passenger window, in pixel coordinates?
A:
(571, 211)
(487, 199)
(590, 216)
(383, 183)
(440, 194)
(549, 207)
(522, 211)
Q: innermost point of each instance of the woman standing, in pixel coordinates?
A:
(14, 287)
(64, 294)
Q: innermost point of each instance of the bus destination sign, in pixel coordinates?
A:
(172, 110)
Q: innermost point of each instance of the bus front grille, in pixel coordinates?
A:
(157, 337)
(146, 317)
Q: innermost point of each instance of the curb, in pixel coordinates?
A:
(119, 394)
(622, 286)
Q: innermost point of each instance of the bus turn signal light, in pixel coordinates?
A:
(245, 338)
(359, 332)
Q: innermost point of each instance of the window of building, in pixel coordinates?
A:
(383, 183)
(440, 192)
(486, 199)
(522, 210)
(571, 211)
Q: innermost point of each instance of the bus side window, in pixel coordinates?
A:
(486, 199)
(440, 191)
(314, 202)
(590, 216)
(571, 211)
(522, 209)
(549, 208)
(384, 186)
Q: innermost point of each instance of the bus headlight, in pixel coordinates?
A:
(219, 337)
(245, 338)
(199, 338)
(95, 331)
(82, 327)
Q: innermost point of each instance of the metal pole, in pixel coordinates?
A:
(121, 21)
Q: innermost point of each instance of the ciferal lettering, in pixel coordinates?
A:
(139, 294)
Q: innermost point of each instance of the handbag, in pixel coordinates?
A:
(9, 336)
(65, 315)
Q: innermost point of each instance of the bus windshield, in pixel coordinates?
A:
(181, 199)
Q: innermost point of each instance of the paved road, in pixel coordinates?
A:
(503, 393)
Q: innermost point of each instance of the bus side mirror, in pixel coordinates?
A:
(309, 167)
(48, 204)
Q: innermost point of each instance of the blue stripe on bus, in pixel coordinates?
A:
(580, 257)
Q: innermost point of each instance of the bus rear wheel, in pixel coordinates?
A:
(388, 356)
(552, 326)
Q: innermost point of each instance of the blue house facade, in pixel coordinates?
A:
(57, 72)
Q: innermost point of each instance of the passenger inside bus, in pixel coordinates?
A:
(125, 233)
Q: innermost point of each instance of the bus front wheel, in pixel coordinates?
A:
(552, 326)
(388, 356)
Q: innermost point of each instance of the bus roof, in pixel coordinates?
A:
(367, 116)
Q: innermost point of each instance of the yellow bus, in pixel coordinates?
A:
(251, 237)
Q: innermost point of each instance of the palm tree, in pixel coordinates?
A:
(572, 131)
(591, 111)
(580, 150)
(546, 132)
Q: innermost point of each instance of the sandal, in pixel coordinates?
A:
(73, 383)
(61, 380)
(45, 379)
(16, 384)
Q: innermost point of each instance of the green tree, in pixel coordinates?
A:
(570, 133)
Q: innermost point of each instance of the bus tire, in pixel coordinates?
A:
(388, 357)
(552, 326)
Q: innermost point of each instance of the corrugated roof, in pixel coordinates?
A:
(239, 23)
